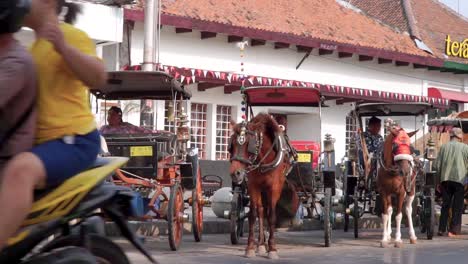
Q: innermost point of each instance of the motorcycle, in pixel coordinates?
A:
(48, 233)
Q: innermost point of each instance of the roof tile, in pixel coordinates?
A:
(322, 19)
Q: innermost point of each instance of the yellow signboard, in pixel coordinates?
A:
(146, 151)
(455, 48)
(304, 157)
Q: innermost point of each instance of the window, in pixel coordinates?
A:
(223, 131)
(351, 129)
(198, 128)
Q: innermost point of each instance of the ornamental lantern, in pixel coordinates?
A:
(352, 151)
(183, 134)
(431, 153)
(328, 144)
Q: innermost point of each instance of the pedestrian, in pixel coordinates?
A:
(451, 167)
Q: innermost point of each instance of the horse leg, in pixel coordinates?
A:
(387, 208)
(390, 213)
(250, 250)
(409, 216)
(261, 249)
(275, 195)
(398, 217)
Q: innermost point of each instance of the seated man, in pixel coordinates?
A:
(117, 126)
(373, 142)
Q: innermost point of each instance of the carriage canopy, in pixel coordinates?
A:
(283, 96)
(393, 109)
(128, 85)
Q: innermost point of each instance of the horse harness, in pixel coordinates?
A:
(401, 150)
(254, 140)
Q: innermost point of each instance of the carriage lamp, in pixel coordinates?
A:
(183, 134)
(183, 128)
(328, 144)
(352, 151)
(431, 153)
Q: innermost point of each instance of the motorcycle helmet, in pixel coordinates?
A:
(12, 13)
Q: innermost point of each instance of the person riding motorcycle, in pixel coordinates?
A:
(17, 92)
(66, 140)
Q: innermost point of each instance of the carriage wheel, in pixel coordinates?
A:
(326, 217)
(346, 204)
(237, 218)
(175, 216)
(346, 215)
(197, 208)
(422, 215)
(356, 214)
(430, 214)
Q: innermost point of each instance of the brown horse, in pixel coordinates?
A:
(396, 176)
(259, 155)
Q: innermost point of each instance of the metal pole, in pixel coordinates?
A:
(148, 50)
(158, 30)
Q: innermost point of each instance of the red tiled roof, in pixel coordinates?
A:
(434, 21)
(324, 21)
(387, 11)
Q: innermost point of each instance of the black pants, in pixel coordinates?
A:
(453, 197)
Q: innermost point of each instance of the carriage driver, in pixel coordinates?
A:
(372, 138)
(117, 126)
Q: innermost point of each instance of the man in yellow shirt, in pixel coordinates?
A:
(67, 141)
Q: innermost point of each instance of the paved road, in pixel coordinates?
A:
(307, 247)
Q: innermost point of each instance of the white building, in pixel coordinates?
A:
(355, 56)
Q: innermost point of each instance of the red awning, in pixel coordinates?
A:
(282, 96)
(447, 94)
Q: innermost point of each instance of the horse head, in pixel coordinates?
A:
(248, 142)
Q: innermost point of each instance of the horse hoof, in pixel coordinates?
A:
(250, 253)
(384, 244)
(273, 255)
(399, 244)
(261, 250)
(413, 241)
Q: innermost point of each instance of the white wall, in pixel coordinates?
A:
(101, 22)
(188, 50)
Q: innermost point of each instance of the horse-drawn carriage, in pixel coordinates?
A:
(304, 183)
(161, 167)
(361, 195)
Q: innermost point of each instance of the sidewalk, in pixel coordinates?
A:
(215, 225)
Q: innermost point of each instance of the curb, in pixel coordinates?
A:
(156, 228)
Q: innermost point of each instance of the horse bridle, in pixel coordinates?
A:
(254, 148)
(408, 183)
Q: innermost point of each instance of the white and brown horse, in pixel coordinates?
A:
(397, 177)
